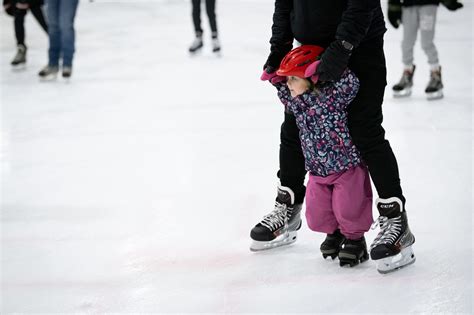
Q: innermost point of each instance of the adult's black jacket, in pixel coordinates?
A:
(319, 22)
(409, 3)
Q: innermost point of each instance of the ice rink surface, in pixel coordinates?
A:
(134, 187)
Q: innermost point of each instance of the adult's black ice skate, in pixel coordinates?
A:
(403, 87)
(332, 244)
(392, 248)
(278, 228)
(20, 58)
(353, 252)
(434, 90)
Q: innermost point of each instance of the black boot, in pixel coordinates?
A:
(353, 252)
(332, 244)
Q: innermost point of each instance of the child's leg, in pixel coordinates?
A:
(427, 32)
(410, 24)
(319, 214)
(352, 202)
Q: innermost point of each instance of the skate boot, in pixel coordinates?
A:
(279, 227)
(403, 88)
(216, 45)
(67, 72)
(20, 57)
(332, 244)
(196, 44)
(392, 248)
(353, 252)
(434, 90)
(48, 73)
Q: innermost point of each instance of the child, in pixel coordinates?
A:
(338, 195)
(418, 15)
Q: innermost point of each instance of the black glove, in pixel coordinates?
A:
(395, 13)
(452, 5)
(276, 56)
(334, 61)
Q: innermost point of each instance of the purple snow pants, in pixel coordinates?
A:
(340, 201)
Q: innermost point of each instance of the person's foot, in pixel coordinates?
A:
(67, 72)
(48, 73)
(20, 57)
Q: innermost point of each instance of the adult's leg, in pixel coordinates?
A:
(19, 22)
(211, 14)
(365, 119)
(410, 22)
(197, 17)
(37, 11)
(54, 32)
(427, 33)
(292, 168)
(67, 13)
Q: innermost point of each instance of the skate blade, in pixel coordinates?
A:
(402, 93)
(351, 260)
(282, 240)
(435, 95)
(19, 67)
(49, 78)
(405, 258)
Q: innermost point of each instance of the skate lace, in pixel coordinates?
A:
(390, 229)
(277, 218)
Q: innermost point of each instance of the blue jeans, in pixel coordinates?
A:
(61, 15)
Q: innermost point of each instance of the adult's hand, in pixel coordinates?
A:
(334, 61)
(9, 9)
(311, 72)
(452, 5)
(272, 76)
(395, 13)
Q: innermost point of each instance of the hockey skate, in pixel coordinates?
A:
(280, 227)
(353, 252)
(216, 46)
(392, 248)
(48, 73)
(434, 90)
(332, 244)
(196, 45)
(403, 87)
(19, 61)
(67, 72)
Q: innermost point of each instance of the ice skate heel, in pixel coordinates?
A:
(353, 252)
(279, 227)
(332, 244)
(404, 258)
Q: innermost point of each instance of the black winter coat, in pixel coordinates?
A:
(319, 22)
(409, 3)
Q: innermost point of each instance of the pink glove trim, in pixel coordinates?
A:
(310, 72)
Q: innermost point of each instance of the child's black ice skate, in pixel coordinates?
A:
(19, 61)
(434, 90)
(332, 244)
(353, 252)
(392, 248)
(403, 87)
(278, 228)
(196, 45)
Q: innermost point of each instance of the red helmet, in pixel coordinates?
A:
(297, 60)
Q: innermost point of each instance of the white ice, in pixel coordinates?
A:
(134, 187)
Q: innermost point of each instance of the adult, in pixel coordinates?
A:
(198, 43)
(352, 32)
(18, 9)
(62, 39)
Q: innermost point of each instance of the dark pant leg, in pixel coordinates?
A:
(37, 12)
(211, 14)
(197, 17)
(365, 119)
(292, 168)
(19, 21)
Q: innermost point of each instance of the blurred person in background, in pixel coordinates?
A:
(18, 9)
(61, 14)
(198, 43)
(418, 15)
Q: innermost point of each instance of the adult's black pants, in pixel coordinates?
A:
(19, 21)
(211, 14)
